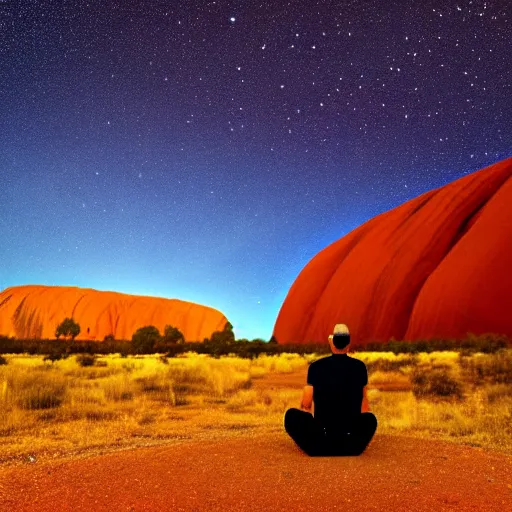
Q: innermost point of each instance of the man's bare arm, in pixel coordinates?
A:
(307, 398)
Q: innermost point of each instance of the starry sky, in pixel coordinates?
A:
(208, 150)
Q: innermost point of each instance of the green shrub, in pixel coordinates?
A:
(487, 343)
(173, 335)
(67, 328)
(145, 339)
(226, 336)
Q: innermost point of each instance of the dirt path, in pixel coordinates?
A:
(266, 473)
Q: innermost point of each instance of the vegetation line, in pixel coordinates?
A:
(147, 340)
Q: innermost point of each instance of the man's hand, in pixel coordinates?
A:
(307, 398)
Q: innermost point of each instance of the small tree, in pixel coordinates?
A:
(173, 335)
(67, 328)
(145, 339)
(224, 336)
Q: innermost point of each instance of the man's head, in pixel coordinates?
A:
(339, 340)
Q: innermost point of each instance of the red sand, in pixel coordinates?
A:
(266, 473)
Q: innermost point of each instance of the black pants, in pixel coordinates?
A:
(313, 439)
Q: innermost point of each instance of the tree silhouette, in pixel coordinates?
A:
(145, 339)
(67, 328)
(173, 335)
(224, 336)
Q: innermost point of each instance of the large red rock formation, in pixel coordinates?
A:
(439, 265)
(35, 311)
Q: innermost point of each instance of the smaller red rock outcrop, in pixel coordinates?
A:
(35, 311)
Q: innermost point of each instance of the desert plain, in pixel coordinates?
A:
(203, 433)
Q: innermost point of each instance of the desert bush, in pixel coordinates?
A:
(53, 356)
(447, 360)
(91, 372)
(498, 392)
(83, 395)
(3, 360)
(387, 361)
(488, 343)
(147, 419)
(154, 382)
(389, 378)
(189, 374)
(86, 359)
(435, 383)
(118, 388)
(178, 395)
(100, 415)
(196, 374)
(222, 383)
(241, 400)
(145, 339)
(39, 390)
(281, 363)
(492, 368)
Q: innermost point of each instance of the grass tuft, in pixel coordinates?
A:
(436, 382)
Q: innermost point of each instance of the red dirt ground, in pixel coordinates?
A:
(266, 473)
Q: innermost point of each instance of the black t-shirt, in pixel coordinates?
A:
(338, 382)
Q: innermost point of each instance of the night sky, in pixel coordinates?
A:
(208, 150)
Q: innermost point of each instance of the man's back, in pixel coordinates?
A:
(338, 382)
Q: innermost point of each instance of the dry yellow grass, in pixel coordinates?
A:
(61, 408)
(480, 416)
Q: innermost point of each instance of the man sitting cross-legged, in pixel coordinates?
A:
(342, 423)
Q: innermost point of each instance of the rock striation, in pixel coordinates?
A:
(440, 265)
(35, 311)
